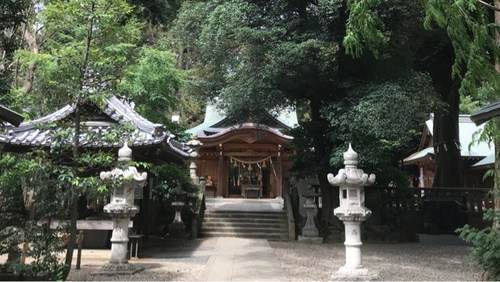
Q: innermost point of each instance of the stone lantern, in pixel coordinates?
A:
(121, 209)
(195, 145)
(309, 210)
(352, 211)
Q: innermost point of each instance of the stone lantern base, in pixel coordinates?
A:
(119, 269)
(357, 274)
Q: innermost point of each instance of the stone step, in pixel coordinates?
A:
(245, 224)
(260, 235)
(240, 229)
(277, 224)
(244, 220)
(245, 215)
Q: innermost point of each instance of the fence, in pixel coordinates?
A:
(429, 210)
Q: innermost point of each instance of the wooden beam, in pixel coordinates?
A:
(220, 177)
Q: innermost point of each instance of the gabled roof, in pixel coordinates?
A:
(215, 120)
(488, 161)
(246, 132)
(468, 132)
(419, 156)
(39, 133)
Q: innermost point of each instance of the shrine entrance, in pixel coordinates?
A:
(245, 161)
(249, 178)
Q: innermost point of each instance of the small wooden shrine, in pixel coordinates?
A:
(244, 160)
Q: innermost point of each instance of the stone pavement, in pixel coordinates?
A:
(239, 259)
(210, 259)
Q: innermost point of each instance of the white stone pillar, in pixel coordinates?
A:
(119, 241)
(352, 245)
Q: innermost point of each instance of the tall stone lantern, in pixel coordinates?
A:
(352, 211)
(121, 209)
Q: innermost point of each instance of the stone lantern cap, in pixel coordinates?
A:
(351, 175)
(130, 173)
(195, 144)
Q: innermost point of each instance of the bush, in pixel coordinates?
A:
(486, 247)
(28, 194)
(171, 180)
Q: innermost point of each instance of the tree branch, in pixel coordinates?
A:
(488, 5)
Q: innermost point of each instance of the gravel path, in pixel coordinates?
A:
(415, 261)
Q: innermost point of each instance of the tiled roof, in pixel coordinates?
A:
(486, 113)
(10, 116)
(214, 117)
(39, 133)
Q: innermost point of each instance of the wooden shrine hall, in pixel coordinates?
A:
(244, 160)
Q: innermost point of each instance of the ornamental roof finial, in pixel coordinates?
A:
(125, 153)
(350, 157)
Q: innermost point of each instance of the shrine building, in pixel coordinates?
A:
(247, 159)
(476, 156)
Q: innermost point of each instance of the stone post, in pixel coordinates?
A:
(121, 209)
(352, 211)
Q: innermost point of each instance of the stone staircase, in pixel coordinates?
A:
(271, 225)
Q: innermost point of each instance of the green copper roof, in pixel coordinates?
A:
(214, 116)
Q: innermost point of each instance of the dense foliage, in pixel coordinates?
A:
(171, 180)
(486, 250)
(382, 137)
(30, 193)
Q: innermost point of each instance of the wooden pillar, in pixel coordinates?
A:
(220, 173)
(279, 174)
(145, 207)
(421, 177)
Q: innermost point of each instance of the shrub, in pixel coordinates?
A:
(486, 247)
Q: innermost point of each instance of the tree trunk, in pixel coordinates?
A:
(438, 57)
(446, 141)
(74, 194)
(322, 157)
(496, 191)
(32, 44)
(76, 142)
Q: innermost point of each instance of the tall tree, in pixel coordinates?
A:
(14, 20)
(263, 55)
(91, 49)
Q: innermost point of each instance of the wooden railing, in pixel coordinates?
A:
(431, 210)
